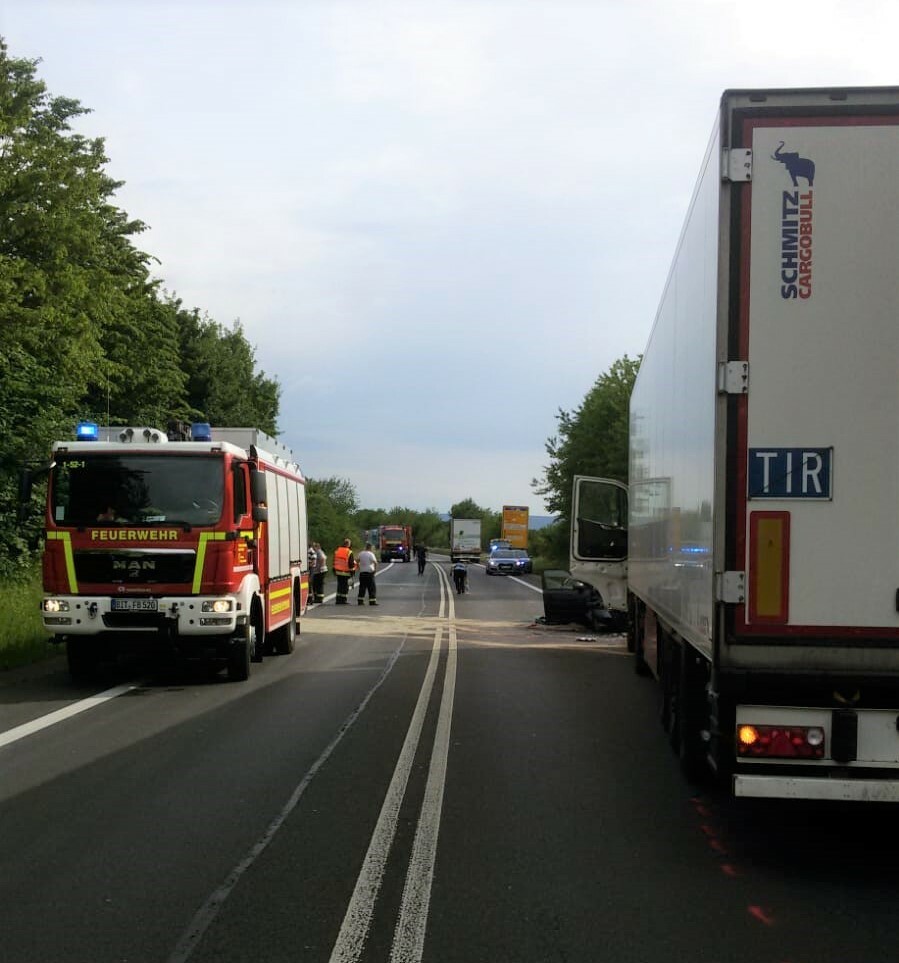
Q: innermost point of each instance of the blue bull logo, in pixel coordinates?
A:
(796, 166)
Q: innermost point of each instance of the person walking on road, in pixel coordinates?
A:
(460, 576)
(319, 571)
(368, 565)
(310, 556)
(344, 566)
(421, 553)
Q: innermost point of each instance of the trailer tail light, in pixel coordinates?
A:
(780, 742)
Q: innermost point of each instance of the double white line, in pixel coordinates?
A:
(409, 935)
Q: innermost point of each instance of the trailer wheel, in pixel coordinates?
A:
(686, 712)
(637, 631)
(83, 660)
(668, 657)
(285, 638)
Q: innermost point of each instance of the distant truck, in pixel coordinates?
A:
(395, 543)
(465, 539)
(189, 542)
(755, 551)
(515, 525)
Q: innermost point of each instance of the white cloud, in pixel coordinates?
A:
(371, 187)
(412, 57)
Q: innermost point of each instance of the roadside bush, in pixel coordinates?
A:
(22, 636)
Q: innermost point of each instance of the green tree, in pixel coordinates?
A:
(68, 272)
(84, 330)
(222, 384)
(550, 544)
(331, 505)
(591, 440)
(491, 526)
(428, 527)
(145, 382)
(467, 508)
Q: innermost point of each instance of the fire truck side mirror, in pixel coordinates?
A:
(258, 495)
(258, 491)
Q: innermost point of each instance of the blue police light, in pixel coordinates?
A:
(201, 431)
(87, 431)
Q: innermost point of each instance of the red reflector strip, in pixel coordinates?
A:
(780, 742)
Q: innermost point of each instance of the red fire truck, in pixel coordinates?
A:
(395, 542)
(191, 542)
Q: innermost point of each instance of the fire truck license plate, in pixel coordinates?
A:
(134, 605)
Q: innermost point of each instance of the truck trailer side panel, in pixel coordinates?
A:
(672, 427)
(763, 569)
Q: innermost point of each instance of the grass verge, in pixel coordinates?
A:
(22, 636)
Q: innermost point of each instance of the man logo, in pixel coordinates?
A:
(133, 568)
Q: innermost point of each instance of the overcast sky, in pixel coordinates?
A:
(438, 222)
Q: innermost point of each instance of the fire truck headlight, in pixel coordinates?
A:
(218, 605)
(54, 605)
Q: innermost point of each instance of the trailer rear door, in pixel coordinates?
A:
(817, 482)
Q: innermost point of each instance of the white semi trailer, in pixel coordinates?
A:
(465, 539)
(761, 571)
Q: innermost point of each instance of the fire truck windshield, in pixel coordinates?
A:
(113, 489)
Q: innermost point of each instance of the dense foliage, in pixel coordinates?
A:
(428, 528)
(591, 440)
(86, 332)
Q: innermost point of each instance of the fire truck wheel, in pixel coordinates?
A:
(256, 639)
(286, 637)
(83, 659)
(239, 662)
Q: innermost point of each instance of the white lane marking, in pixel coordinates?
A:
(515, 578)
(354, 929)
(409, 936)
(52, 718)
(209, 910)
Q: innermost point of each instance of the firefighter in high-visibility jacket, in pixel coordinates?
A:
(344, 565)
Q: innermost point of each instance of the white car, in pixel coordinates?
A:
(509, 561)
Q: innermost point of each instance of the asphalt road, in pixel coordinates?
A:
(441, 779)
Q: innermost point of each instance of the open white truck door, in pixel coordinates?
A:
(597, 560)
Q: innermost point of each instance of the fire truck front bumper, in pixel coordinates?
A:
(92, 615)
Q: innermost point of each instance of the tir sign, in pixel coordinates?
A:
(790, 473)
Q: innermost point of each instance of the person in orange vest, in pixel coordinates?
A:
(344, 565)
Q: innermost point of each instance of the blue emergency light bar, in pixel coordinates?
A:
(201, 431)
(87, 431)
